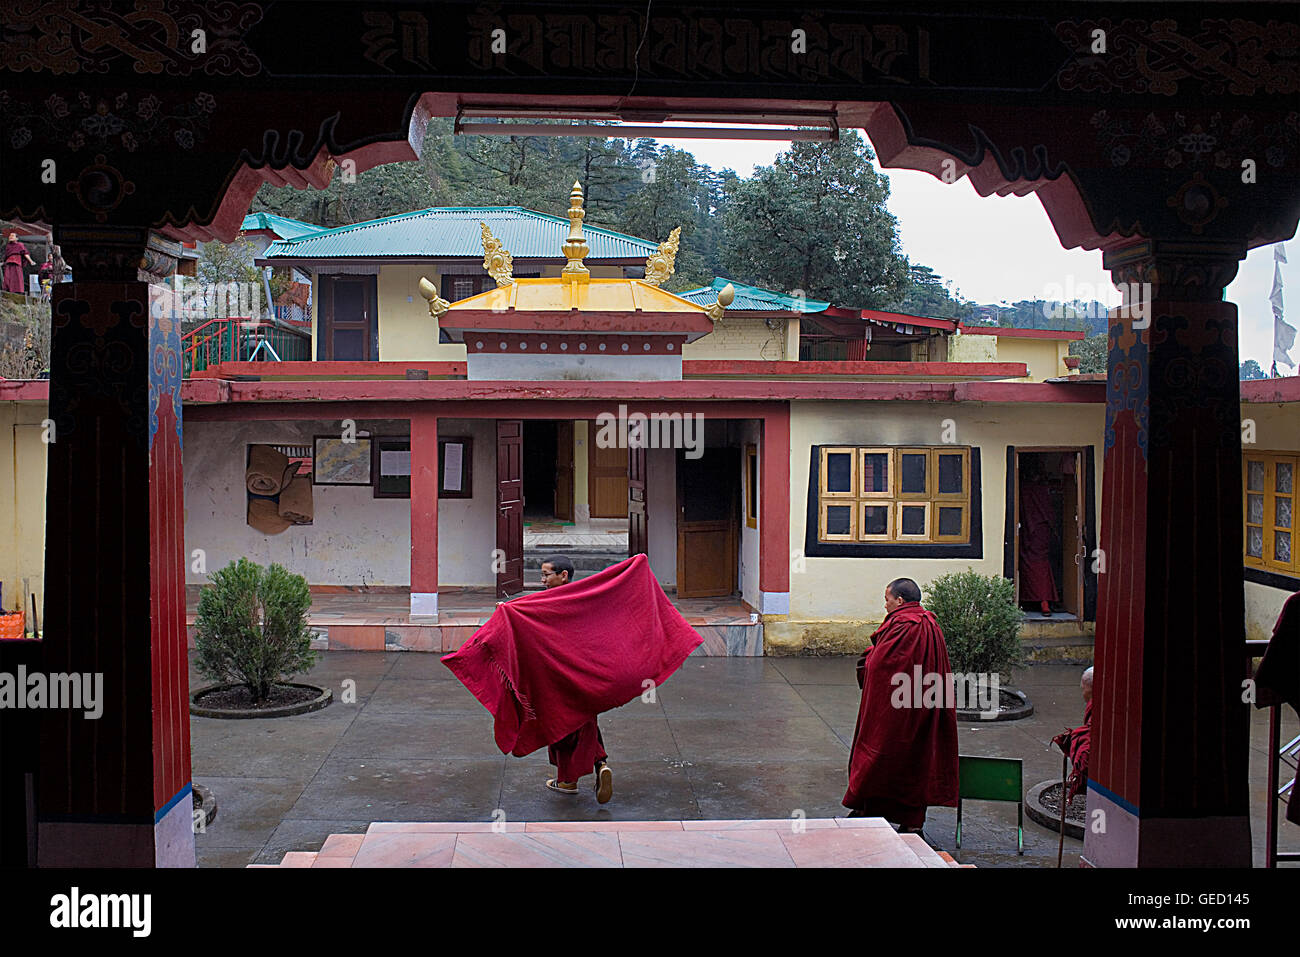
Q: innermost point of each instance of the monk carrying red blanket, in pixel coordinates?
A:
(547, 664)
(903, 759)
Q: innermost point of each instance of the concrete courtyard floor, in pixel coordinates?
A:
(727, 738)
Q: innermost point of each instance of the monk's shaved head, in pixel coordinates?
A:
(904, 589)
(1085, 683)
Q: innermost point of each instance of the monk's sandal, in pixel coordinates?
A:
(555, 785)
(604, 784)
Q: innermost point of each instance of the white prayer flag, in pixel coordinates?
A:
(1283, 332)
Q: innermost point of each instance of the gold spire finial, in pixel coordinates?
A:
(726, 296)
(496, 258)
(437, 305)
(575, 247)
(659, 266)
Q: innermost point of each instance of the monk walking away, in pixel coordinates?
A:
(903, 759)
(573, 754)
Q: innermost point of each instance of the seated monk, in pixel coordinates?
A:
(1077, 743)
(903, 759)
(1277, 679)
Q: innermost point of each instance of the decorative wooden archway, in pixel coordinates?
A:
(1174, 149)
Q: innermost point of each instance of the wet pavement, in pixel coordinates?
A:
(726, 738)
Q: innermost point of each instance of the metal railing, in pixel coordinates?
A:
(241, 339)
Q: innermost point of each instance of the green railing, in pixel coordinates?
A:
(240, 339)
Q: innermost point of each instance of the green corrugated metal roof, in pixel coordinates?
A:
(753, 299)
(282, 226)
(455, 231)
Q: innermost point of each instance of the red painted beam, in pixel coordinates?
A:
(718, 368)
(445, 390)
(904, 319)
(1271, 390)
(473, 409)
(1014, 333)
(25, 390)
(328, 369)
(1093, 393)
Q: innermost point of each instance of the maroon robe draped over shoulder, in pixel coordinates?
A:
(1278, 677)
(903, 756)
(547, 664)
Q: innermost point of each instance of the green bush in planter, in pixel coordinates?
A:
(251, 626)
(980, 621)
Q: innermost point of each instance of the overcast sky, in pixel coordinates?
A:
(1004, 248)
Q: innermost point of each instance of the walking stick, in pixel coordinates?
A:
(1065, 770)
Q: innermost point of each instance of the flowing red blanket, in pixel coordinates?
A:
(906, 754)
(548, 663)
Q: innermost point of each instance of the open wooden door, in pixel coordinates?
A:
(1072, 535)
(510, 505)
(707, 523)
(563, 471)
(606, 477)
(638, 540)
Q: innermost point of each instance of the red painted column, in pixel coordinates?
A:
(114, 786)
(424, 513)
(1168, 773)
(774, 514)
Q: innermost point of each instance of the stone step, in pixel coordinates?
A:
(923, 851)
(299, 859)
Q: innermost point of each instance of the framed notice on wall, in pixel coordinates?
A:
(455, 473)
(392, 467)
(341, 463)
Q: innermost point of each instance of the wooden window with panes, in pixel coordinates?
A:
(1268, 491)
(914, 494)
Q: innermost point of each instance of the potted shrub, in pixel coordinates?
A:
(981, 626)
(251, 634)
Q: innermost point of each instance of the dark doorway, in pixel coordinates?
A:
(349, 319)
(1049, 543)
(539, 470)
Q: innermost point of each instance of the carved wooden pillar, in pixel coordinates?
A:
(1168, 770)
(114, 791)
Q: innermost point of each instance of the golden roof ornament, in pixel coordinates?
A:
(726, 295)
(659, 266)
(496, 258)
(437, 305)
(575, 247)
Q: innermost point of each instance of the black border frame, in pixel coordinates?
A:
(812, 548)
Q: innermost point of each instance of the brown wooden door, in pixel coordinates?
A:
(349, 326)
(564, 471)
(638, 540)
(510, 505)
(707, 532)
(606, 477)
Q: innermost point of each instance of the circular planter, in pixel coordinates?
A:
(1048, 816)
(1012, 706)
(205, 802)
(323, 697)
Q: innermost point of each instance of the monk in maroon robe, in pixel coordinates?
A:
(15, 253)
(904, 754)
(1077, 743)
(1278, 677)
(1037, 519)
(582, 752)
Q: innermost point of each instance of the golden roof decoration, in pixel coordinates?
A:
(659, 266)
(496, 258)
(437, 305)
(575, 247)
(726, 295)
